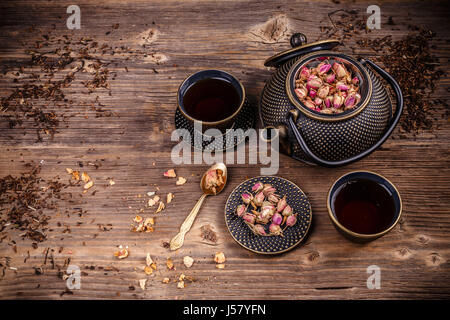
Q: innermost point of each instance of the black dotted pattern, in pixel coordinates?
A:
(244, 120)
(332, 141)
(292, 236)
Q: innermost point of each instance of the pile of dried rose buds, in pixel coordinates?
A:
(327, 88)
(265, 207)
(214, 180)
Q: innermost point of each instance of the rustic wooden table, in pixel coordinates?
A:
(133, 147)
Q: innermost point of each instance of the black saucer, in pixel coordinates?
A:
(244, 120)
(292, 236)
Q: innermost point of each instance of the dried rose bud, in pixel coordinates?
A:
(342, 86)
(314, 83)
(281, 204)
(275, 229)
(304, 73)
(323, 68)
(257, 187)
(266, 213)
(248, 217)
(277, 218)
(330, 78)
(318, 101)
(247, 197)
(332, 91)
(273, 198)
(259, 229)
(309, 104)
(287, 211)
(268, 189)
(301, 92)
(355, 80)
(357, 97)
(268, 206)
(259, 198)
(291, 220)
(323, 92)
(350, 101)
(240, 210)
(337, 101)
(329, 101)
(339, 69)
(312, 93)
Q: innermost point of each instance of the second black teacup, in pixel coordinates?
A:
(364, 205)
(212, 97)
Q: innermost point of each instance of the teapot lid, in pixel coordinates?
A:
(282, 57)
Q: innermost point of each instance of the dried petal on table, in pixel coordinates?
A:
(161, 207)
(111, 182)
(220, 266)
(138, 219)
(169, 197)
(166, 280)
(169, 264)
(69, 170)
(122, 253)
(219, 257)
(148, 270)
(170, 173)
(150, 263)
(85, 177)
(148, 259)
(142, 283)
(188, 261)
(153, 201)
(181, 181)
(88, 185)
(149, 222)
(75, 175)
(181, 285)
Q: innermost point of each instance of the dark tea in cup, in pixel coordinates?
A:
(364, 205)
(211, 100)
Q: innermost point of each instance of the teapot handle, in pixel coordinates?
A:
(292, 116)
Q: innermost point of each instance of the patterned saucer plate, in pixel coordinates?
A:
(292, 236)
(245, 120)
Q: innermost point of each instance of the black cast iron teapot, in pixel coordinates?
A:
(335, 139)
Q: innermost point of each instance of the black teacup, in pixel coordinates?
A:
(212, 97)
(364, 205)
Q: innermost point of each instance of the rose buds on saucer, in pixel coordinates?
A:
(250, 218)
(257, 187)
(275, 229)
(291, 220)
(259, 199)
(268, 209)
(240, 210)
(247, 198)
(281, 204)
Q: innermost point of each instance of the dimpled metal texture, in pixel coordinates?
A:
(292, 236)
(331, 141)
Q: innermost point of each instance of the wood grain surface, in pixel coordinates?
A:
(134, 145)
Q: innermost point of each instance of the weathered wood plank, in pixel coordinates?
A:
(414, 257)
